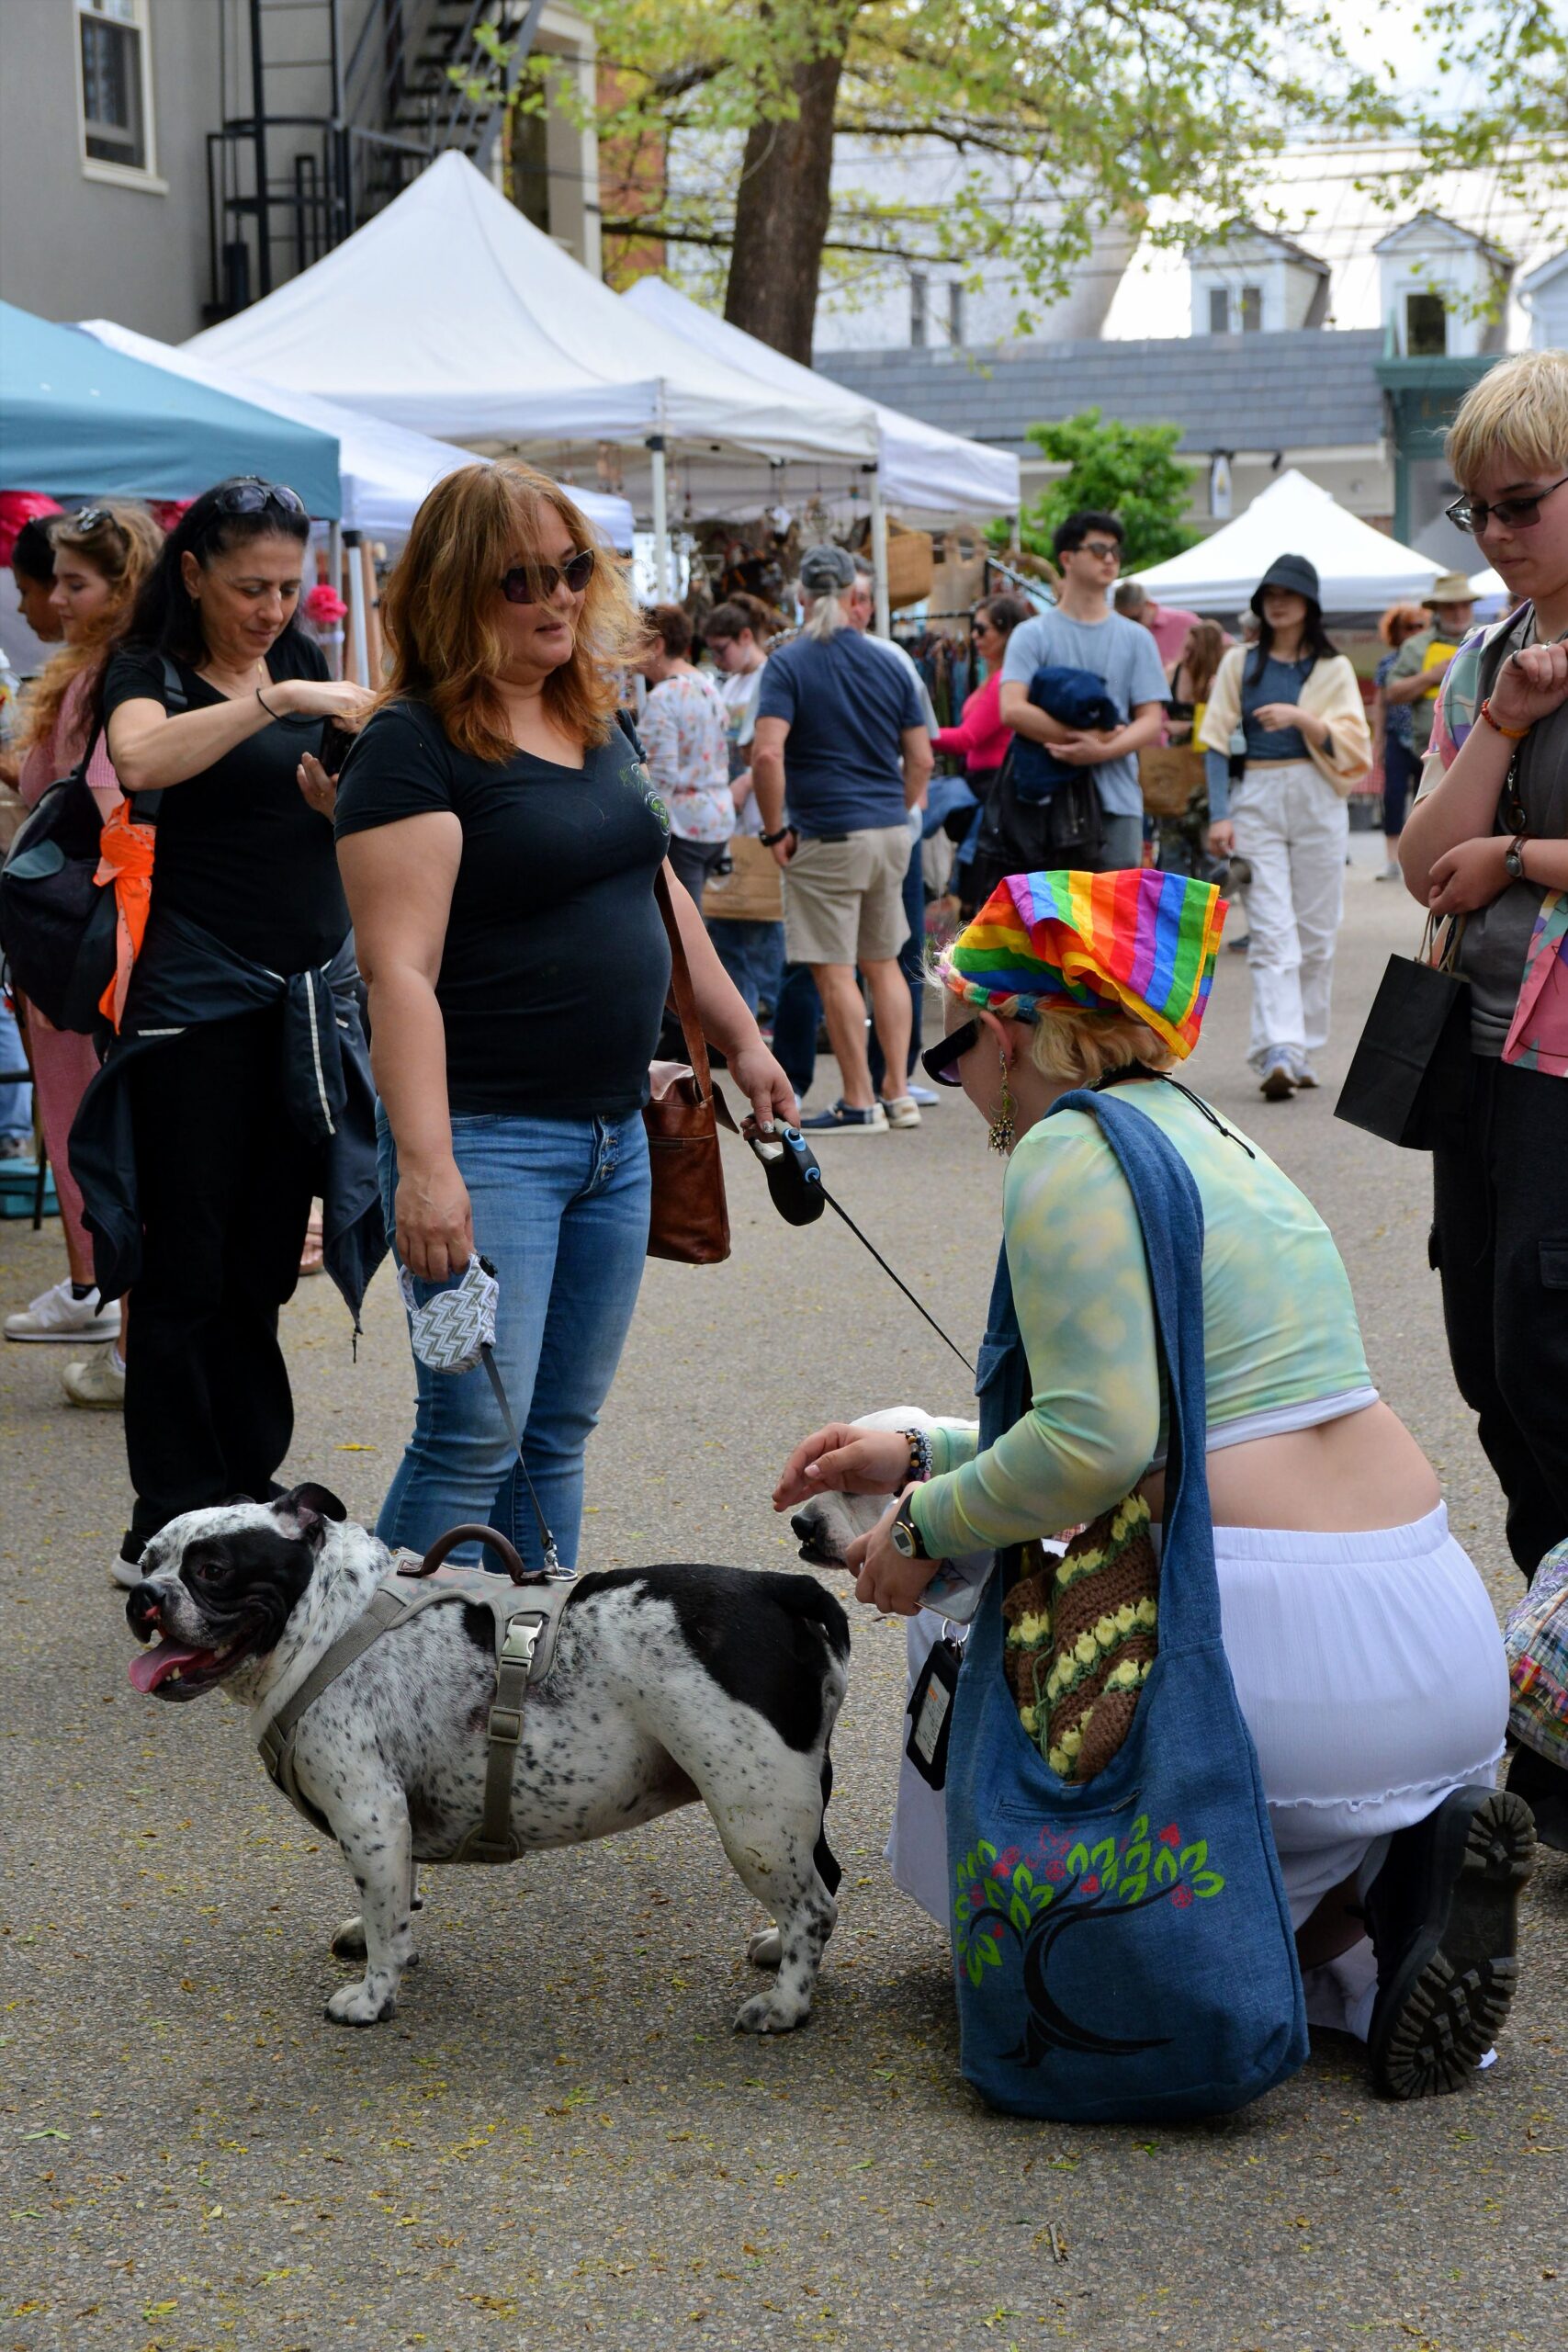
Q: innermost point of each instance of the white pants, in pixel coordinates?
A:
(1291, 828)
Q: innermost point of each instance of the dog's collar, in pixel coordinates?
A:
(526, 1620)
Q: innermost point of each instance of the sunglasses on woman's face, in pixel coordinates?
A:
(535, 583)
(941, 1061)
(1521, 514)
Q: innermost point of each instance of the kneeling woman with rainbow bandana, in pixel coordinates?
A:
(1365, 1653)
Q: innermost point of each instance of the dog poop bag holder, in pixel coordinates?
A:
(1123, 1946)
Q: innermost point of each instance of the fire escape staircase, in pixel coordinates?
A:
(286, 182)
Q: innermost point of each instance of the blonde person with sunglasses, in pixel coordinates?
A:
(499, 839)
(1487, 842)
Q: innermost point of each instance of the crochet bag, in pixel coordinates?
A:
(1122, 1947)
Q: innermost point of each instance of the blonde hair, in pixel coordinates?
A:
(123, 542)
(1519, 408)
(827, 615)
(437, 610)
(1078, 1045)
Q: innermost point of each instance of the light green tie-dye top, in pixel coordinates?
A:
(1279, 1324)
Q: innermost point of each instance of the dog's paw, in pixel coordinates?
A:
(766, 2013)
(348, 1941)
(361, 2003)
(764, 1949)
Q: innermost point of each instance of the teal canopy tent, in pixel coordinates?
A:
(76, 416)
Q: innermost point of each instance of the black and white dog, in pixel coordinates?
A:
(668, 1684)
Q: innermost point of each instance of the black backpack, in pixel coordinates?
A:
(1018, 836)
(58, 924)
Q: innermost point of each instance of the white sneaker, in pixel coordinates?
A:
(1303, 1072)
(125, 1572)
(54, 1315)
(902, 1111)
(926, 1096)
(98, 1382)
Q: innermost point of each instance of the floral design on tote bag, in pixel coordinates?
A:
(1063, 1884)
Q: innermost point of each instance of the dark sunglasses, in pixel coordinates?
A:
(535, 583)
(91, 518)
(1472, 515)
(254, 496)
(941, 1061)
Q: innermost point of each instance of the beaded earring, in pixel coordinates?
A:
(1001, 1125)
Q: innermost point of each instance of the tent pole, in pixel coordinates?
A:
(335, 574)
(358, 641)
(879, 554)
(661, 520)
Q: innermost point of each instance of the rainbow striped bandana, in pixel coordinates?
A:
(1140, 940)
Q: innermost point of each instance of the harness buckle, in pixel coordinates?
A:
(506, 1726)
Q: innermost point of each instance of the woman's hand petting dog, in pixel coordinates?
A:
(845, 1460)
(883, 1578)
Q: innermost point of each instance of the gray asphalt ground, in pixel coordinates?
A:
(560, 2139)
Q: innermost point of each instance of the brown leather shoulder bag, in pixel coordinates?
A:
(690, 1221)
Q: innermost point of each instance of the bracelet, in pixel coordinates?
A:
(1512, 734)
(767, 840)
(272, 713)
(920, 1446)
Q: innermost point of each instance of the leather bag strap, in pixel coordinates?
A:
(680, 989)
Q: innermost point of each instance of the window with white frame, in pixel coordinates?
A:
(116, 83)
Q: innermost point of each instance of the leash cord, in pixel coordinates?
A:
(892, 1277)
(548, 1543)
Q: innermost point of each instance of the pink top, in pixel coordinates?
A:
(1168, 626)
(979, 734)
(60, 749)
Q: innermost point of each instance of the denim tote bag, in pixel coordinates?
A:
(1123, 1946)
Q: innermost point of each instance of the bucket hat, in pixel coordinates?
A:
(1296, 573)
(1449, 588)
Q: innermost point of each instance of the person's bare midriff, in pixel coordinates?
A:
(1344, 1477)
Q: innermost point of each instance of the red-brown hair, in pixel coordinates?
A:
(437, 610)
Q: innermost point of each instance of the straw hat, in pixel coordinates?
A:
(1449, 588)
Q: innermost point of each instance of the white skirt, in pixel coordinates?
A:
(1371, 1672)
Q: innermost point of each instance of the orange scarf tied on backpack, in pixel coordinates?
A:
(125, 861)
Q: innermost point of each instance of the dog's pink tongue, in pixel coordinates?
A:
(149, 1667)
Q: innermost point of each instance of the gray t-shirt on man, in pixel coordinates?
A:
(1121, 652)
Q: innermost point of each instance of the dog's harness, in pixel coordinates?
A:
(526, 1613)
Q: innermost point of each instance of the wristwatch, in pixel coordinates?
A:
(1514, 858)
(767, 840)
(906, 1536)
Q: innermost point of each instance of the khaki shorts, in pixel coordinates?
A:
(844, 899)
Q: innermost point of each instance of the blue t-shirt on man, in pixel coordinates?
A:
(1121, 652)
(847, 705)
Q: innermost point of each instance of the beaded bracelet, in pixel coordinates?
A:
(919, 1453)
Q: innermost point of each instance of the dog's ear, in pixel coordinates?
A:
(311, 1505)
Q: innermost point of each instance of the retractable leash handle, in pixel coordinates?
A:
(795, 1179)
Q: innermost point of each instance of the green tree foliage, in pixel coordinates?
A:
(1033, 124)
(1127, 469)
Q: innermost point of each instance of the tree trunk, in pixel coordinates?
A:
(781, 216)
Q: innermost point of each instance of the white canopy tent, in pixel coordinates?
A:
(386, 468)
(918, 465)
(451, 313)
(1359, 568)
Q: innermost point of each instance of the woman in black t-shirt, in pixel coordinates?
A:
(214, 700)
(498, 840)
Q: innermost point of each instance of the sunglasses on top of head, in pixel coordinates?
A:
(252, 496)
(535, 583)
(1520, 513)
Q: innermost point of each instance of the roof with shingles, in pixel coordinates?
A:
(1310, 388)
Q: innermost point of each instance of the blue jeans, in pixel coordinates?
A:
(15, 1099)
(560, 1210)
(752, 954)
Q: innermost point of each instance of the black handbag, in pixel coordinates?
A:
(1017, 836)
(1409, 1079)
